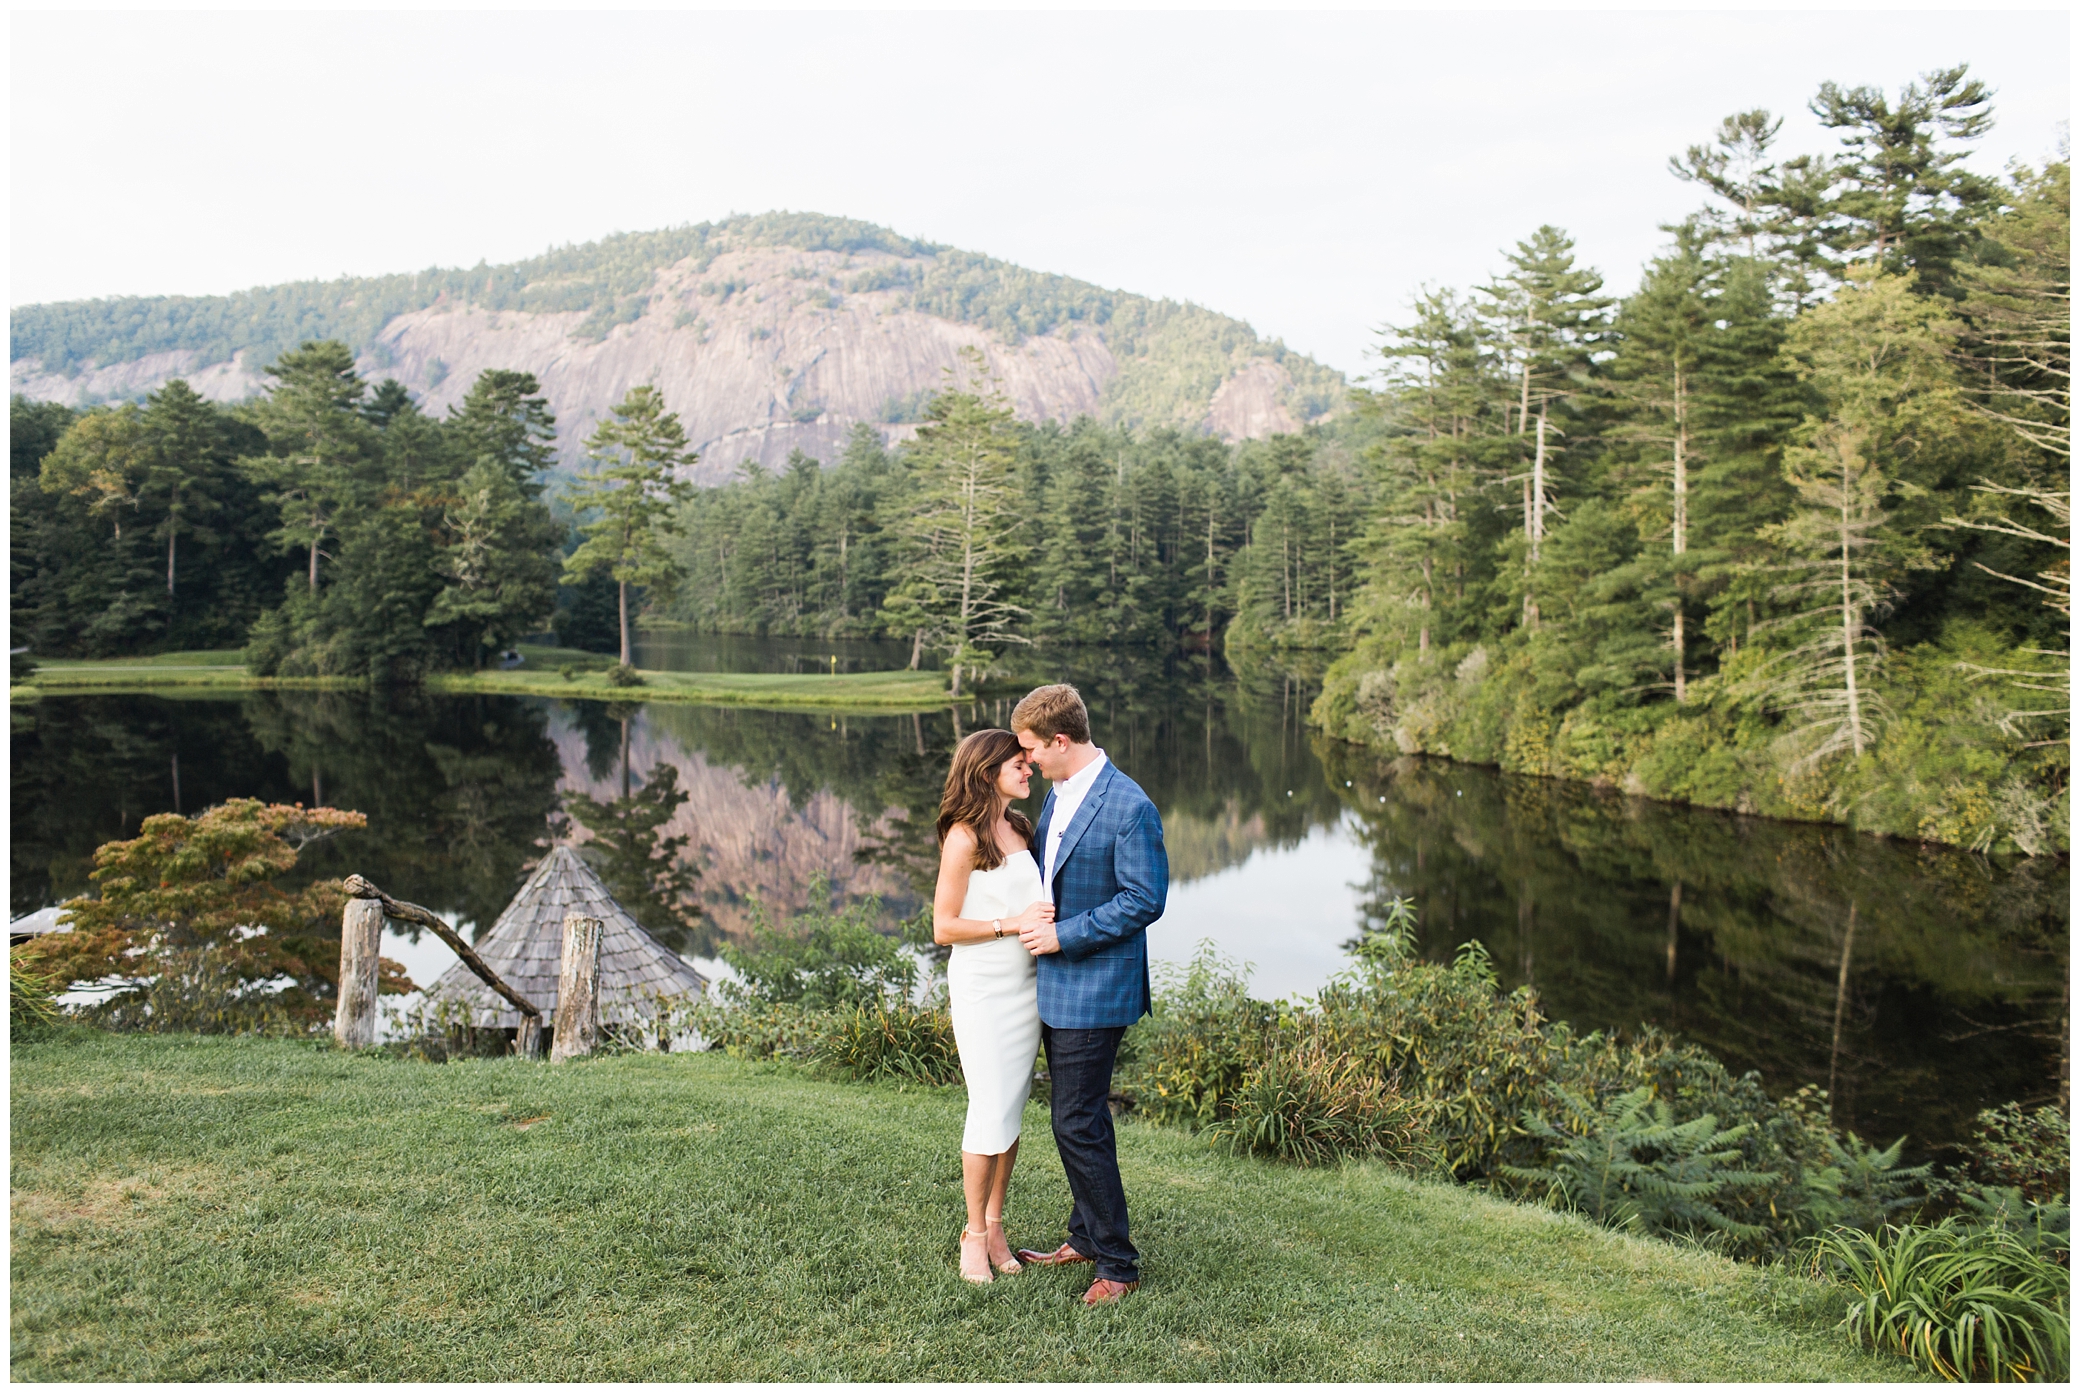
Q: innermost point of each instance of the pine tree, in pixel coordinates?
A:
(1553, 316)
(1901, 194)
(317, 439)
(1876, 357)
(961, 527)
(1437, 396)
(632, 491)
(504, 418)
(186, 440)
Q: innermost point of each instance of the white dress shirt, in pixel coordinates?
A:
(1068, 797)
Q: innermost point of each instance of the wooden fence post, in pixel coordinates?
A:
(360, 943)
(577, 989)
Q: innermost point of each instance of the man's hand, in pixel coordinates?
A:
(1039, 938)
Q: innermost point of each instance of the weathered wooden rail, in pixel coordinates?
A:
(361, 933)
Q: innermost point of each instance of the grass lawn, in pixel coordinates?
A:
(883, 691)
(198, 1209)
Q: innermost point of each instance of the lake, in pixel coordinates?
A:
(1919, 983)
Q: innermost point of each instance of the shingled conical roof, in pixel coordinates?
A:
(525, 947)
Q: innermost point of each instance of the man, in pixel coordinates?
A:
(1100, 843)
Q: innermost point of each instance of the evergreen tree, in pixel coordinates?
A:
(317, 441)
(506, 420)
(1553, 314)
(33, 431)
(961, 526)
(1876, 357)
(1901, 193)
(631, 491)
(186, 443)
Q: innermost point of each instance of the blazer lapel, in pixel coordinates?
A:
(1040, 831)
(1082, 820)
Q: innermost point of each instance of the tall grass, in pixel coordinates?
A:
(1975, 1304)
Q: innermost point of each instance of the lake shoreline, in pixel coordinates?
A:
(553, 673)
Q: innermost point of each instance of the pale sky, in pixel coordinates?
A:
(1306, 172)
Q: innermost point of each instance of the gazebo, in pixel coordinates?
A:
(525, 948)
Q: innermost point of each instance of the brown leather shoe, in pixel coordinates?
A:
(1104, 1291)
(1060, 1257)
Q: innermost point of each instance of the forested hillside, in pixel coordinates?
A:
(1785, 530)
(765, 333)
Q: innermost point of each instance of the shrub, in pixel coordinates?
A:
(31, 999)
(1630, 1164)
(759, 1030)
(888, 1040)
(827, 958)
(1965, 1303)
(190, 927)
(1313, 1106)
(2027, 1152)
(623, 675)
(1189, 1058)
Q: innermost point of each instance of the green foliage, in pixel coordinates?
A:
(32, 1005)
(1312, 1106)
(1967, 1304)
(627, 501)
(827, 958)
(192, 933)
(2030, 1152)
(1630, 1164)
(1434, 1066)
(1770, 512)
(884, 1039)
(958, 543)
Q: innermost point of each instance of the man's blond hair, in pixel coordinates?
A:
(1056, 709)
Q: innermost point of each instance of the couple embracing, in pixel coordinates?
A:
(1049, 951)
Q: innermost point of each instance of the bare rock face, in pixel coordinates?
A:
(766, 349)
(758, 355)
(749, 840)
(1252, 404)
(226, 382)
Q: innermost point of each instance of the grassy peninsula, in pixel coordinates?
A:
(554, 672)
(224, 1208)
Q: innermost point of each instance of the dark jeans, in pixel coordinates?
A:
(1079, 1068)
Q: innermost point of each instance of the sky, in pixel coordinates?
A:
(1305, 172)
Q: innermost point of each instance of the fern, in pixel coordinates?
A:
(1630, 1164)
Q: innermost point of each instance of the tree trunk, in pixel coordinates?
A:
(624, 625)
(527, 1043)
(1680, 510)
(577, 989)
(170, 537)
(314, 566)
(360, 943)
(1675, 919)
(1849, 626)
(1841, 997)
(916, 648)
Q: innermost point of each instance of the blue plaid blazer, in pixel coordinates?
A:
(1110, 882)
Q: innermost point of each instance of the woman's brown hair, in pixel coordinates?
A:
(971, 795)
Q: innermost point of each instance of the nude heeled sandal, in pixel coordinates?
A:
(1008, 1265)
(975, 1265)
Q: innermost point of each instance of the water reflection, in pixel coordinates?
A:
(1924, 983)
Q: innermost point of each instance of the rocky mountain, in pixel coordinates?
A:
(767, 334)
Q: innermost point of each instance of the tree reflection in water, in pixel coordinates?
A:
(1734, 932)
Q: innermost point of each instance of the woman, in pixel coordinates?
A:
(989, 890)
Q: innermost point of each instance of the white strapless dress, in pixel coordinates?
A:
(995, 1000)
